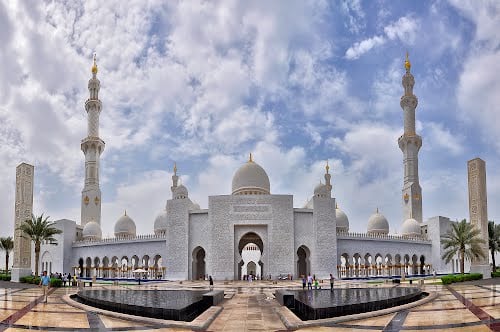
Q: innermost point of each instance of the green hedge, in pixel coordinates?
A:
(495, 274)
(5, 277)
(54, 282)
(451, 278)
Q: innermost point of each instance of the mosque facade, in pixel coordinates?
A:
(250, 231)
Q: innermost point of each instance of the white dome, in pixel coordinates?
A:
(378, 224)
(251, 179)
(180, 192)
(161, 223)
(92, 231)
(411, 227)
(195, 206)
(321, 190)
(342, 220)
(125, 227)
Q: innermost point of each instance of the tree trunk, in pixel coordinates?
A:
(493, 261)
(462, 263)
(6, 262)
(37, 257)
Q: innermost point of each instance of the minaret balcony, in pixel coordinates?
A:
(90, 141)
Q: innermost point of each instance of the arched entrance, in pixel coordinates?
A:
(251, 268)
(254, 242)
(303, 262)
(198, 270)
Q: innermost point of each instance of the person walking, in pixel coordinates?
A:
(45, 283)
(316, 283)
(331, 282)
(304, 281)
(309, 281)
(211, 283)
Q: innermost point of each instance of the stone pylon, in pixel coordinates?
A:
(478, 210)
(23, 211)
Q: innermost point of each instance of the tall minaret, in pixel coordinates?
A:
(92, 147)
(175, 180)
(410, 144)
(328, 178)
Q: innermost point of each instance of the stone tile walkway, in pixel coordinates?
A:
(251, 307)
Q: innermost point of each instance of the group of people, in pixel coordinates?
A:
(312, 281)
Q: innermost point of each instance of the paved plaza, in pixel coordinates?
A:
(252, 307)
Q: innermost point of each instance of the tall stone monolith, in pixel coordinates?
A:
(478, 210)
(23, 211)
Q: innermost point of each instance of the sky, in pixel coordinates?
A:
(204, 83)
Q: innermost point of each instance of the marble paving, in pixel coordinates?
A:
(251, 307)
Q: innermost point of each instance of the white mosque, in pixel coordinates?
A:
(249, 231)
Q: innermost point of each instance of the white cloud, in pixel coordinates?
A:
(360, 48)
(404, 29)
(353, 10)
(439, 137)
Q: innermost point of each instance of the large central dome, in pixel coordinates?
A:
(251, 179)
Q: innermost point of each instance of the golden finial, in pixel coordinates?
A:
(175, 168)
(94, 66)
(407, 62)
(327, 167)
(377, 209)
(125, 212)
(250, 160)
(336, 205)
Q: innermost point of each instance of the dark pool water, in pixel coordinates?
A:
(181, 305)
(323, 303)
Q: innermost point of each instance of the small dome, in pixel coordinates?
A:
(342, 220)
(195, 206)
(125, 227)
(321, 190)
(160, 226)
(180, 192)
(92, 231)
(378, 224)
(251, 179)
(411, 227)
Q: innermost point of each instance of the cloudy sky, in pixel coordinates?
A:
(205, 83)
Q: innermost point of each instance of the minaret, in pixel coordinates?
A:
(175, 180)
(92, 147)
(328, 178)
(410, 144)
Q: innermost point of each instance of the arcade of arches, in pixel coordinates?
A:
(120, 268)
(379, 265)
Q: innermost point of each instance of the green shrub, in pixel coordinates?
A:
(5, 277)
(446, 280)
(55, 282)
(495, 274)
(451, 278)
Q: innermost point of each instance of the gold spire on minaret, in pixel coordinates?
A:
(125, 212)
(327, 167)
(94, 66)
(407, 62)
(175, 168)
(250, 160)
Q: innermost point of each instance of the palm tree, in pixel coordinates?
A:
(39, 230)
(493, 241)
(6, 244)
(463, 238)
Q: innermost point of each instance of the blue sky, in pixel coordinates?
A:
(205, 83)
